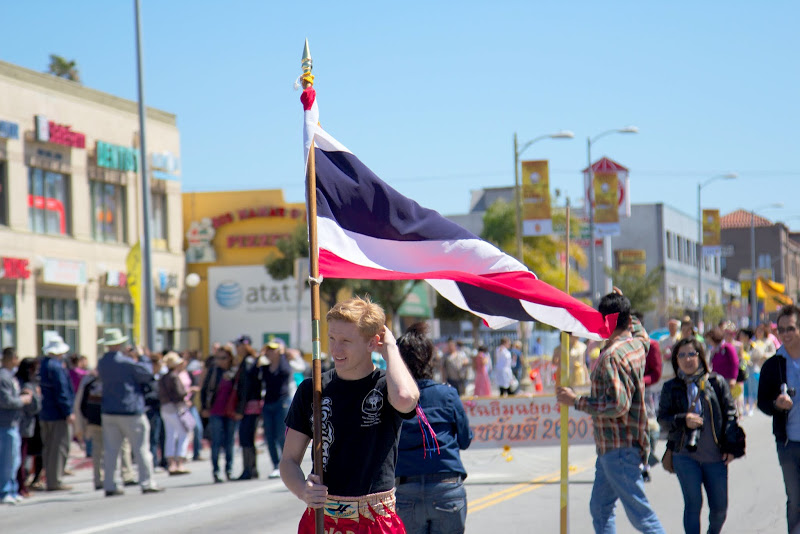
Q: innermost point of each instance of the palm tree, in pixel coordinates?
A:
(62, 68)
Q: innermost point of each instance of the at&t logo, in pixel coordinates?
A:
(229, 294)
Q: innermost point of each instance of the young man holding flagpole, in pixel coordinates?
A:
(362, 411)
(360, 227)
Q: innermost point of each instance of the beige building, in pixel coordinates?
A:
(70, 211)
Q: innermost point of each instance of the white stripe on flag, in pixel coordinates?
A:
(551, 315)
(449, 290)
(465, 255)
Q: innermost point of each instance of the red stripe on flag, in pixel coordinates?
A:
(521, 285)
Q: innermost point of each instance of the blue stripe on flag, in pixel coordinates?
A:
(353, 196)
(489, 303)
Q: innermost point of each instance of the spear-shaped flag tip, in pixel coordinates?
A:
(306, 57)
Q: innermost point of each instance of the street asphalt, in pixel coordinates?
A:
(513, 491)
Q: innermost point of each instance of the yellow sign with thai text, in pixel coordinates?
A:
(711, 228)
(606, 196)
(631, 261)
(536, 216)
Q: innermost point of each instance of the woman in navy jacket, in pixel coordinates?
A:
(429, 472)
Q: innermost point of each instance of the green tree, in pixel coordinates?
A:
(642, 290)
(390, 294)
(64, 68)
(713, 311)
(280, 264)
(541, 254)
(447, 311)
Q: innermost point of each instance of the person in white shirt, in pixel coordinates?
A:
(502, 367)
(666, 345)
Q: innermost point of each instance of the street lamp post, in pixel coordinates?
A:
(753, 301)
(700, 258)
(561, 134)
(592, 253)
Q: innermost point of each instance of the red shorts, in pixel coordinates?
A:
(370, 514)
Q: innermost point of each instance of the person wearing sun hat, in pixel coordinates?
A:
(124, 379)
(56, 415)
(172, 395)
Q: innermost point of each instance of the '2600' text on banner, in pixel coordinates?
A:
(523, 421)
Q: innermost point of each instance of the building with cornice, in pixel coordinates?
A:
(70, 212)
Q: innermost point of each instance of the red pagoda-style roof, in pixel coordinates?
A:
(605, 164)
(741, 219)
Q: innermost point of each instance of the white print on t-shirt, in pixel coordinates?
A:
(371, 408)
(327, 430)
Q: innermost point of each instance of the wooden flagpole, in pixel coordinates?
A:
(564, 381)
(313, 255)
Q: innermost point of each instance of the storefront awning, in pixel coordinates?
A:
(771, 292)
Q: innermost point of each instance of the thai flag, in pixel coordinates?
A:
(367, 230)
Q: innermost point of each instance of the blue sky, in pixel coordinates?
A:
(429, 94)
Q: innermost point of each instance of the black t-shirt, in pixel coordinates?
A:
(360, 431)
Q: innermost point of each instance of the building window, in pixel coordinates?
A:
(764, 261)
(669, 245)
(8, 321)
(158, 224)
(60, 315)
(3, 195)
(687, 251)
(680, 248)
(48, 202)
(165, 328)
(114, 315)
(673, 295)
(108, 212)
(689, 297)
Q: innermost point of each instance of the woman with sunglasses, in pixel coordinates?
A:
(698, 411)
(222, 405)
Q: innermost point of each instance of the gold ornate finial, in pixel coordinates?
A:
(307, 77)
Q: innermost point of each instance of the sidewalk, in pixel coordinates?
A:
(77, 455)
(77, 458)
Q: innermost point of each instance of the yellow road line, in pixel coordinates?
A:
(515, 491)
(509, 490)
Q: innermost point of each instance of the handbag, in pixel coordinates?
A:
(735, 440)
(666, 461)
(187, 419)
